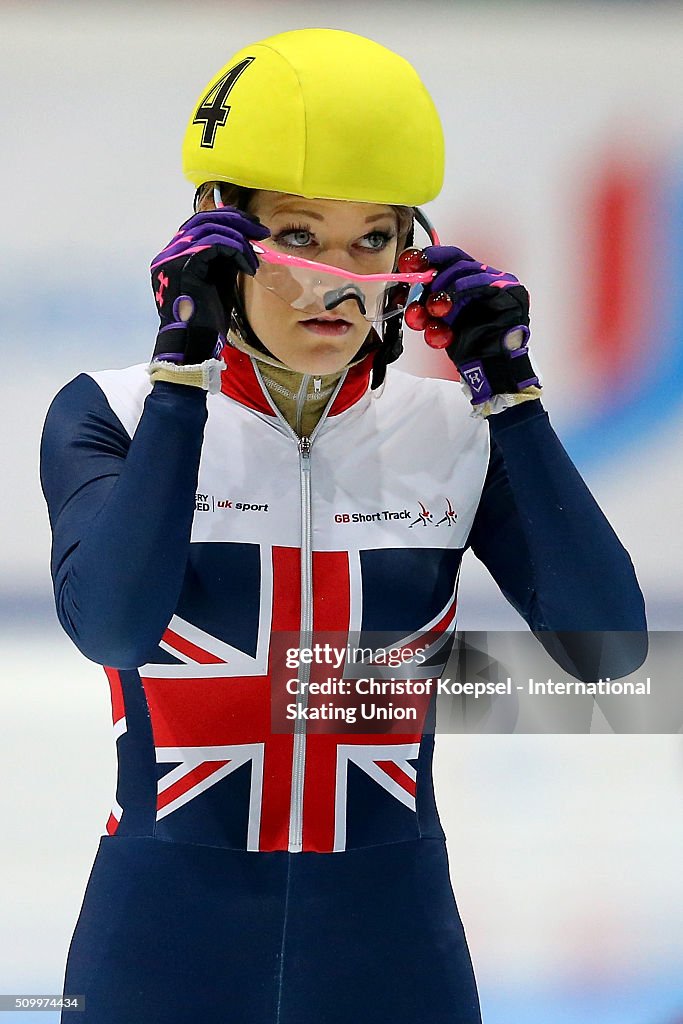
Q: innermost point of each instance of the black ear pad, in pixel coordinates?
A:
(392, 337)
(239, 318)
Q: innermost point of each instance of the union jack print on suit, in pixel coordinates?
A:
(225, 776)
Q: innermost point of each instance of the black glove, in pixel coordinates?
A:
(482, 319)
(193, 280)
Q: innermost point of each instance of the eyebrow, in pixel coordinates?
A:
(318, 216)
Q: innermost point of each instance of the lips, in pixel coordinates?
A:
(330, 327)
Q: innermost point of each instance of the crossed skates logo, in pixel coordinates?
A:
(427, 518)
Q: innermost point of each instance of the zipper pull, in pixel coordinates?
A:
(305, 448)
(317, 385)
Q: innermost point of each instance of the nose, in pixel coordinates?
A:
(338, 258)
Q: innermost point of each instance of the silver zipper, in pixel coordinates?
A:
(296, 826)
(300, 401)
(304, 445)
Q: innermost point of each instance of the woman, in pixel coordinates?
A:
(266, 481)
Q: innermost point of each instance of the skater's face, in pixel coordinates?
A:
(357, 237)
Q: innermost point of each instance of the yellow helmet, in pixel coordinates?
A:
(319, 113)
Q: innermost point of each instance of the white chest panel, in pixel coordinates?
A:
(404, 468)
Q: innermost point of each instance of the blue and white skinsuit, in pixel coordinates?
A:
(253, 877)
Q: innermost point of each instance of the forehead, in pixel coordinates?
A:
(329, 211)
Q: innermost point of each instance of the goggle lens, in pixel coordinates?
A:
(315, 289)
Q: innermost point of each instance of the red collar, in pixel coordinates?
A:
(239, 381)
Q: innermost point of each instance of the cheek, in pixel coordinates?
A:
(263, 307)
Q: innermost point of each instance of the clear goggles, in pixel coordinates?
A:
(317, 288)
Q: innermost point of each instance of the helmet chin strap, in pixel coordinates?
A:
(392, 329)
(243, 326)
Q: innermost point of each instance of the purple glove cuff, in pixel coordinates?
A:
(170, 357)
(473, 374)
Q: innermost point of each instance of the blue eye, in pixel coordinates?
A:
(381, 239)
(294, 237)
(297, 236)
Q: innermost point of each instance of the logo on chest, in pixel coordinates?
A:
(442, 515)
(211, 503)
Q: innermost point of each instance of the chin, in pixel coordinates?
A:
(320, 363)
(321, 356)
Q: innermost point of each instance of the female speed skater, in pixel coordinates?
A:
(255, 484)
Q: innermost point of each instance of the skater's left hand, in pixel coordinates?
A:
(480, 315)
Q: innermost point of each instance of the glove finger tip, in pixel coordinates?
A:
(245, 264)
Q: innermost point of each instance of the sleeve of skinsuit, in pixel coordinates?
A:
(550, 549)
(121, 514)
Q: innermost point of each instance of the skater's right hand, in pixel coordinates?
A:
(193, 280)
